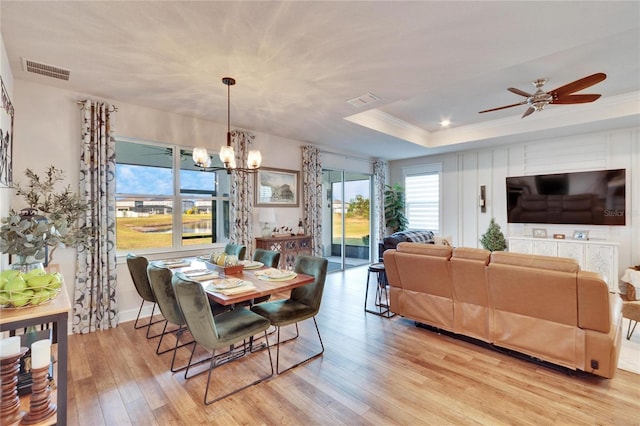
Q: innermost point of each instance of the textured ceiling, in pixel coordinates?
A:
(298, 63)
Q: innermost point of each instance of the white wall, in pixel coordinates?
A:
(464, 173)
(47, 128)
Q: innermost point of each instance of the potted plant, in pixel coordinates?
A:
(394, 216)
(493, 239)
(50, 220)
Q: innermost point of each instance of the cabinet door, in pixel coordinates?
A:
(520, 246)
(572, 251)
(601, 258)
(545, 248)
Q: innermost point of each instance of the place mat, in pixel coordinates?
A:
(273, 274)
(173, 263)
(229, 286)
(251, 264)
(201, 274)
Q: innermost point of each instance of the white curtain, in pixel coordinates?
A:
(312, 196)
(241, 193)
(95, 300)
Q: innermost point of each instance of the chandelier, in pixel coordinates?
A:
(202, 159)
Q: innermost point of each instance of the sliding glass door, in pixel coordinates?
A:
(346, 223)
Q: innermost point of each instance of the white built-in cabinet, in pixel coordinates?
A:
(594, 256)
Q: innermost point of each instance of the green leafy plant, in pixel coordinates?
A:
(51, 218)
(394, 204)
(493, 239)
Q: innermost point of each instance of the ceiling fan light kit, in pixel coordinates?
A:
(563, 95)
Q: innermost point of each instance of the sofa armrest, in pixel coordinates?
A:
(594, 309)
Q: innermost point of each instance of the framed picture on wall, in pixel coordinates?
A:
(6, 139)
(277, 188)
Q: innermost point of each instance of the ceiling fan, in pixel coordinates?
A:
(562, 95)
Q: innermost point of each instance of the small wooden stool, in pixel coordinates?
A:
(382, 296)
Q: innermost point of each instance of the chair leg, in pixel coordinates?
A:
(178, 332)
(631, 330)
(149, 323)
(303, 361)
(214, 364)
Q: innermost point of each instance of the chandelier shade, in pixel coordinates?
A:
(227, 154)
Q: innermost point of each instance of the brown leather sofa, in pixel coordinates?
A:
(541, 306)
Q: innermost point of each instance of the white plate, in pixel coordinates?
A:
(227, 283)
(275, 274)
(251, 264)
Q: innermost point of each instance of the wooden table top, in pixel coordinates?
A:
(263, 288)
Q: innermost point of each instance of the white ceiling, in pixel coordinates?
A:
(298, 63)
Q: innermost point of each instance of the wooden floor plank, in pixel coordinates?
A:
(374, 371)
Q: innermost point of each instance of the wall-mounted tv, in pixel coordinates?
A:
(581, 198)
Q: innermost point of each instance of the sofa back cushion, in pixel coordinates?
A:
(535, 286)
(469, 276)
(424, 268)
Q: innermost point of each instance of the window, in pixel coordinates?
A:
(163, 201)
(422, 197)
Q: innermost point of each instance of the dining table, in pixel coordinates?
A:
(256, 279)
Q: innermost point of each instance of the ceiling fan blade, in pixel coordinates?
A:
(503, 107)
(519, 92)
(529, 111)
(577, 85)
(575, 99)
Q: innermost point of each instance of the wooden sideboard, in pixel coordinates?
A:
(288, 246)
(592, 255)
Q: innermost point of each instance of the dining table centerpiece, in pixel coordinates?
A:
(50, 220)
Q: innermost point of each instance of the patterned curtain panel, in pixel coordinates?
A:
(95, 302)
(312, 196)
(241, 193)
(379, 180)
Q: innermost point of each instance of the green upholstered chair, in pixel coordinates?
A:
(238, 250)
(138, 270)
(160, 279)
(304, 303)
(219, 332)
(270, 259)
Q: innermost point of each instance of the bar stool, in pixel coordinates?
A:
(382, 296)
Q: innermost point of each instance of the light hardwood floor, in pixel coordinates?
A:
(374, 371)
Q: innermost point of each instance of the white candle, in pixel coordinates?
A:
(10, 346)
(40, 353)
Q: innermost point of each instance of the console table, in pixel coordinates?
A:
(594, 256)
(289, 246)
(55, 312)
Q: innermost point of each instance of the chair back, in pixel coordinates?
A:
(160, 279)
(269, 258)
(194, 303)
(238, 250)
(310, 294)
(138, 270)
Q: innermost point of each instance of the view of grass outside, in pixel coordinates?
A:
(154, 231)
(356, 223)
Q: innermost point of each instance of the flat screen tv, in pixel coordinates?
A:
(581, 198)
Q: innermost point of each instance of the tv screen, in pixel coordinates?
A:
(581, 198)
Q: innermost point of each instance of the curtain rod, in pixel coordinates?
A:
(82, 101)
(348, 157)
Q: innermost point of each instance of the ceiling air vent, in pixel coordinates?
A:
(44, 69)
(363, 100)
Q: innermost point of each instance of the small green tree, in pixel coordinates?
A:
(493, 239)
(358, 208)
